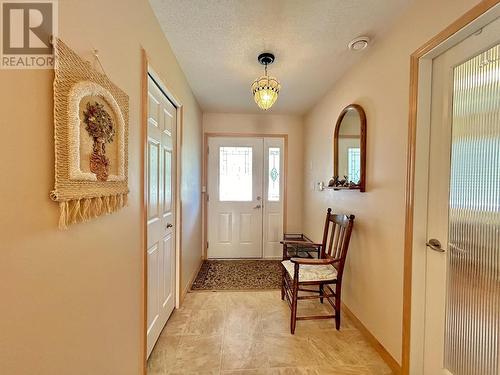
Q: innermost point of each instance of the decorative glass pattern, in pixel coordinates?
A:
(235, 174)
(472, 333)
(353, 164)
(273, 187)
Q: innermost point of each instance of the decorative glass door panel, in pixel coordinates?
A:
(273, 190)
(472, 333)
(462, 292)
(235, 174)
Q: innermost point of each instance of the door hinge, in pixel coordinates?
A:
(207, 244)
(208, 197)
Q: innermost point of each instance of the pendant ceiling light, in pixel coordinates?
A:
(265, 89)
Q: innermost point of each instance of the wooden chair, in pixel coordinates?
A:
(324, 271)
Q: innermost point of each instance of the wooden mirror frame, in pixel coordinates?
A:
(362, 145)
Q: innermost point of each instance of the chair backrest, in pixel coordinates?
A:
(336, 237)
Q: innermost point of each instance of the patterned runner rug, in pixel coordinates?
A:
(238, 275)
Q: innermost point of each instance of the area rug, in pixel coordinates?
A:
(238, 275)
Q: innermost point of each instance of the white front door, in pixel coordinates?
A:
(160, 169)
(235, 198)
(245, 209)
(462, 298)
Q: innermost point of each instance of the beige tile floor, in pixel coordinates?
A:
(247, 333)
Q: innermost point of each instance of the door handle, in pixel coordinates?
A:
(257, 207)
(169, 225)
(435, 245)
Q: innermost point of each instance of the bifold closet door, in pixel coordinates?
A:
(160, 191)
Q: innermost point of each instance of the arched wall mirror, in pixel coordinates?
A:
(349, 150)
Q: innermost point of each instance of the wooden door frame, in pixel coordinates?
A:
(451, 35)
(146, 70)
(205, 175)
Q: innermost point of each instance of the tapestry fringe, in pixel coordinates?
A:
(85, 209)
(82, 210)
(97, 206)
(76, 214)
(63, 216)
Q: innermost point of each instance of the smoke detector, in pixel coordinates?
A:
(359, 43)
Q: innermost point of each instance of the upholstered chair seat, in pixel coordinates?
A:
(311, 272)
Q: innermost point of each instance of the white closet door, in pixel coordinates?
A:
(160, 169)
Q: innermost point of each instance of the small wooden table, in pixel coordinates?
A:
(302, 248)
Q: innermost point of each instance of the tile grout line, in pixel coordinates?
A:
(223, 335)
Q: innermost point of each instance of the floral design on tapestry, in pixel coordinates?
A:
(100, 127)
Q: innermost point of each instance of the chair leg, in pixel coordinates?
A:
(321, 292)
(293, 318)
(283, 274)
(337, 306)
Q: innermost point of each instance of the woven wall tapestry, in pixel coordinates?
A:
(91, 140)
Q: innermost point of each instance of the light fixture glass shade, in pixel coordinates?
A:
(265, 91)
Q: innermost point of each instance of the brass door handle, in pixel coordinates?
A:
(169, 225)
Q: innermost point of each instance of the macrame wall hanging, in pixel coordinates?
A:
(91, 140)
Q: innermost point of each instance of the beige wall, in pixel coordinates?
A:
(373, 281)
(270, 124)
(71, 300)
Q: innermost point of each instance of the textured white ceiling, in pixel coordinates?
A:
(217, 42)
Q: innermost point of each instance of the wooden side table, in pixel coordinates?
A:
(298, 245)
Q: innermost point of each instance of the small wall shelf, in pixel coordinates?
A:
(323, 187)
(342, 188)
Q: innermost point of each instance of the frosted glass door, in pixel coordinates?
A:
(462, 298)
(472, 332)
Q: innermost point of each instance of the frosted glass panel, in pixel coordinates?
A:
(273, 189)
(235, 174)
(472, 337)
